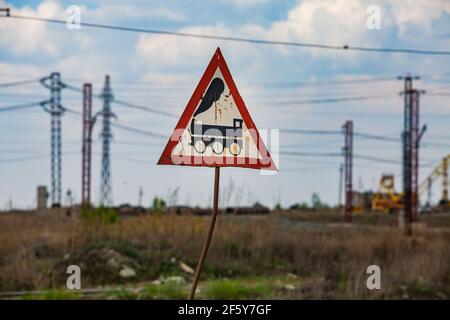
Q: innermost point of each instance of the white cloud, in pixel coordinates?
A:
(418, 12)
(336, 22)
(25, 37)
(247, 3)
(111, 11)
(318, 21)
(82, 66)
(167, 79)
(20, 70)
(162, 51)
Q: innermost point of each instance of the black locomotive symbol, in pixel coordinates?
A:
(216, 136)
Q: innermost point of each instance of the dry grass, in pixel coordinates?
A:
(329, 261)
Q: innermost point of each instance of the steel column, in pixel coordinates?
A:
(87, 146)
(106, 136)
(348, 169)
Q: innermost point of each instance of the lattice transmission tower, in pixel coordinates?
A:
(55, 109)
(106, 198)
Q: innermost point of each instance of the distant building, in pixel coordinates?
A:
(41, 198)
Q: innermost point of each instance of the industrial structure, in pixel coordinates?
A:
(411, 139)
(384, 200)
(41, 198)
(55, 109)
(341, 179)
(86, 145)
(106, 136)
(440, 171)
(387, 200)
(348, 168)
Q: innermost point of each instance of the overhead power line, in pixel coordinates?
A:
(30, 158)
(124, 127)
(140, 131)
(234, 39)
(360, 80)
(318, 132)
(376, 137)
(440, 94)
(144, 108)
(285, 130)
(370, 158)
(19, 106)
(397, 140)
(126, 104)
(331, 82)
(146, 162)
(73, 88)
(350, 81)
(332, 100)
(18, 83)
(311, 154)
(337, 154)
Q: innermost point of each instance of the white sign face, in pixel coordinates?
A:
(217, 128)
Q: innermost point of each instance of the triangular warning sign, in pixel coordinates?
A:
(216, 129)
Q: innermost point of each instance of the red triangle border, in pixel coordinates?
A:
(266, 163)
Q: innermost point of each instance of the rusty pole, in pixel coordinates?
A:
(348, 169)
(411, 138)
(209, 236)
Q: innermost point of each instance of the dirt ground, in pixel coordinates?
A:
(283, 255)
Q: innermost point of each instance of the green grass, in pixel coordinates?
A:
(57, 294)
(238, 289)
(168, 290)
(241, 288)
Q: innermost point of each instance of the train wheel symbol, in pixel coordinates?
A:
(200, 146)
(235, 149)
(217, 147)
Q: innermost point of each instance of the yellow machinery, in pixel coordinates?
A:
(386, 199)
(361, 202)
(441, 170)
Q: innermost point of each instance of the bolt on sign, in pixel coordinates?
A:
(216, 130)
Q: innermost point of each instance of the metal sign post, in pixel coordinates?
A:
(201, 261)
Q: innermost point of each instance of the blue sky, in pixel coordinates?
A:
(161, 72)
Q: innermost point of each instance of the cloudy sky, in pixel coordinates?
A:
(283, 87)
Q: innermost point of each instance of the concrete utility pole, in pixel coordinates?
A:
(348, 168)
(87, 146)
(341, 172)
(41, 198)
